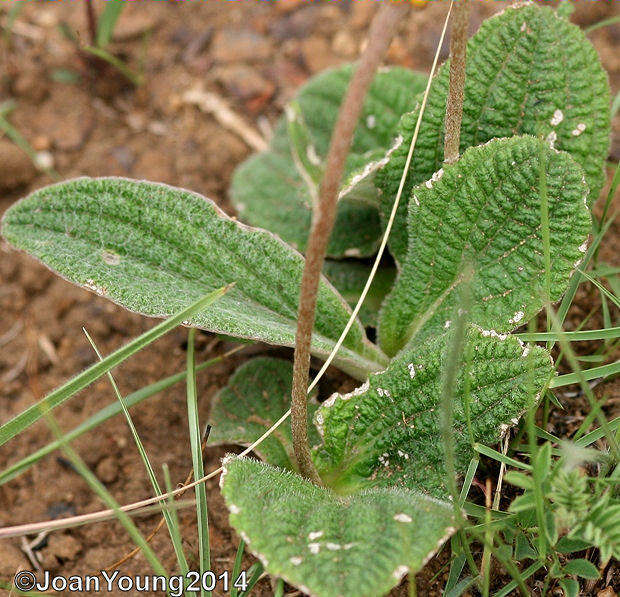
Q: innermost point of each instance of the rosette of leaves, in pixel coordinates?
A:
(384, 508)
(528, 71)
(277, 189)
(153, 249)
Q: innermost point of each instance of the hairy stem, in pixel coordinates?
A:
(381, 32)
(454, 106)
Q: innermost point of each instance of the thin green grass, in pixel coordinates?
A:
(582, 380)
(173, 527)
(55, 398)
(135, 78)
(584, 375)
(181, 560)
(107, 21)
(236, 571)
(105, 496)
(20, 141)
(106, 413)
(254, 575)
(607, 333)
(204, 554)
(604, 23)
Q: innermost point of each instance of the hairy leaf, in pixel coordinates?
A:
(529, 71)
(276, 189)
(485, 212)
(387, 432)
(329, 545)
(349, 278)
(257, 395)
(154, 249)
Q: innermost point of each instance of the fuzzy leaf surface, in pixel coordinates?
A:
(349, 278)
(485, 211)
(329, 545)
(276, 189)
(529, 71)
(154, 249)
(387, 432)
(256, 396)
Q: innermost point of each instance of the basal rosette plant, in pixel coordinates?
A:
(535, 127)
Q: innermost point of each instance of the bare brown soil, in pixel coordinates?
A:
(254, 55)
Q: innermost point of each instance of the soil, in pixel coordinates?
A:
(85, 121)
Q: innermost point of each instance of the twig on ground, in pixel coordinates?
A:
(213, 104)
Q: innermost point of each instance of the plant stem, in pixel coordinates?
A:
(91, 20)
(454, 106)
(381, 32)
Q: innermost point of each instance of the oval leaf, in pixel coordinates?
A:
(257, 395)
(154, 249)
(529, 71)
(329, 545)
(485, 212)
(387, 432)
(276, 189)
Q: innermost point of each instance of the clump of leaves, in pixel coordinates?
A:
(580, 512)
(386, 505)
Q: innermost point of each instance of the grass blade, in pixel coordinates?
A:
(118, 64)
(459, 589)
(592, 373)
(577, 278)
(604, 334)
(491, 453)
(147, 463)
(236, 571)
(511, 586)
(611, 297)
(255, 572)
(173, 527)
(68, 389)
(109, 411)
(581, 378)
(590, 438)
(196, 448)
(108, 500)
(107, 21)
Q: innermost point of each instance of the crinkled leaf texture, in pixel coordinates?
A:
(274, 189)
(349, 278)
(329, 545)
(154, 249)
(387, 432)
(484, 212)
(529, 71)
(257, 395)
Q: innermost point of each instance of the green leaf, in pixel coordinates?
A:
(268, 191)
(582, 568)
(601, 528)
(328, 545)
(570, 587)
(528, 72)
(523, 549)
(276, 189)
(256, 396)
(484, 212)
(154, 249)
(387, 432)
(349, 278)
